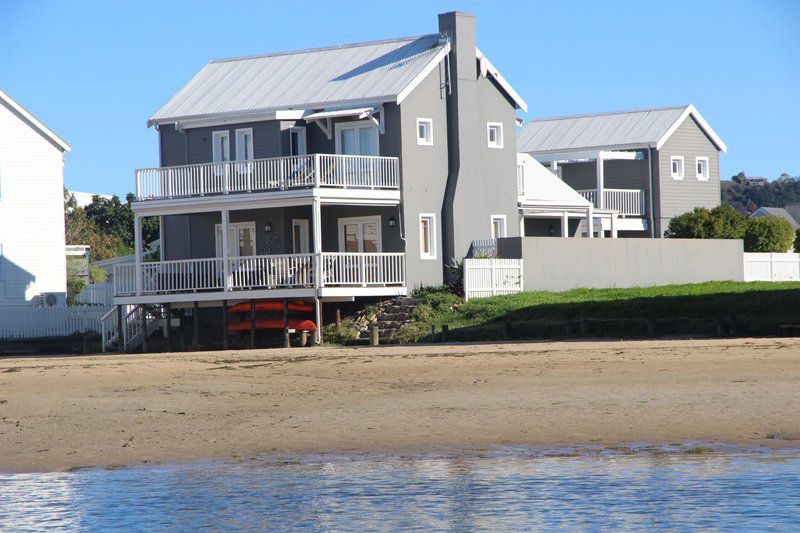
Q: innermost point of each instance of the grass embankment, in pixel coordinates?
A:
(696, 309)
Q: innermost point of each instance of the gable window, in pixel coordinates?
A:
(702, 168)
(494, 134)
(427, 236)
(498, 226)
(221, 146)
(244, 144)
(425, 131)
(676, 167)
(357, 138)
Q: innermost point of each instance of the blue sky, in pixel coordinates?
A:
(95, 71)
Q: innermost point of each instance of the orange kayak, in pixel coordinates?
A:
(244, 307)
(274, 323)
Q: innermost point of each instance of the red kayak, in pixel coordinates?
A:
(244, 307)
(274, 323)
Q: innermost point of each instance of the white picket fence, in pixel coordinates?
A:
(35, 322)
(97, 294)
(771, 267)
(492, 277)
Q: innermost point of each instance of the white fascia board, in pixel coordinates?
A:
(217, 203)
(587, 155)
(395, 290)
(427, 69)
(35, 122)
(691, 110)
(260, 114)
(216, 296)
(489, 68)
(361, 112)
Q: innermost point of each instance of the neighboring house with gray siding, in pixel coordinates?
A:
(327, 174)
(790, 213)
(639, 168)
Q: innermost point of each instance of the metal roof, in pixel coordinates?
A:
(305, 79)
(608, 130)
(777, 212)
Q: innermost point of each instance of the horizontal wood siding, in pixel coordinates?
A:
(680, 196)
(266, 141)
(32, 258)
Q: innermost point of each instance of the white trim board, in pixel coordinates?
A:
(691, 110)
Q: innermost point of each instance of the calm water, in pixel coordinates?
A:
(506, 491)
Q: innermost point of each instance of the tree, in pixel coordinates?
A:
(722, 222)
(797, 242)
(79, 229)
(768, 234)
(739, 178)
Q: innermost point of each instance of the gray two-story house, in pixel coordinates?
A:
(327, 174)
(638, 169)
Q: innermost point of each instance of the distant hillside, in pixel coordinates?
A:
(746, 197)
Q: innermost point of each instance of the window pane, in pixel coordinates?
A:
(425, 236)
(368, 144)
(351, 238)
(296, 239)
(421, 131)
(245, 241)
(348, 141)
(493, 135)
(370, 230)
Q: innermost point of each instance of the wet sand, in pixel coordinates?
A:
(62, 413)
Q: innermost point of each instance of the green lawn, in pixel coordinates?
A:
(758, 309)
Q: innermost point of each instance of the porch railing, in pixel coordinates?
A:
(626, 201)
(278, 173)
(272, 271)
(262, 272)
(363, 269)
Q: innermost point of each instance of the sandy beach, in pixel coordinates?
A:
(59, 413)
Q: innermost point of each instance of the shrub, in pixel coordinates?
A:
(768, 234)
(797, 241)
(722, 222)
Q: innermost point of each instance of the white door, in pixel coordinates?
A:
(241, 239)
(221, 146)
(244, 144)
(359, 138)
(360, 235)
(297, 140)
(300, 244)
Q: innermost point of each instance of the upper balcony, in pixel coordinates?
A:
(333, 171)
(628, 202)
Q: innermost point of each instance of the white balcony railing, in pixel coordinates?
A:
(626, 201)
(278, 173)
(262, 272)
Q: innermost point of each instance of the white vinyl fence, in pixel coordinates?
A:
(771, 267)
(492, 277)
(34, 322)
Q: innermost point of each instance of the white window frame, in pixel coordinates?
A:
(233, 226)
(356, 124)
(499, 126)
(428, 140)
(431, 218)
(360, 220)
(702, 176)
(682, 173)
(224, 134)
(305, 245)
(241, 149)
(503, 226)
(301, 134)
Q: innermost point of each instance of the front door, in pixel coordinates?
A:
(241, 239)
(360, 235)
(300, 239)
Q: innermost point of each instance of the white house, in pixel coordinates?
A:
(32, 260)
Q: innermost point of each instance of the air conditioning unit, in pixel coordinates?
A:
(48, 299)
